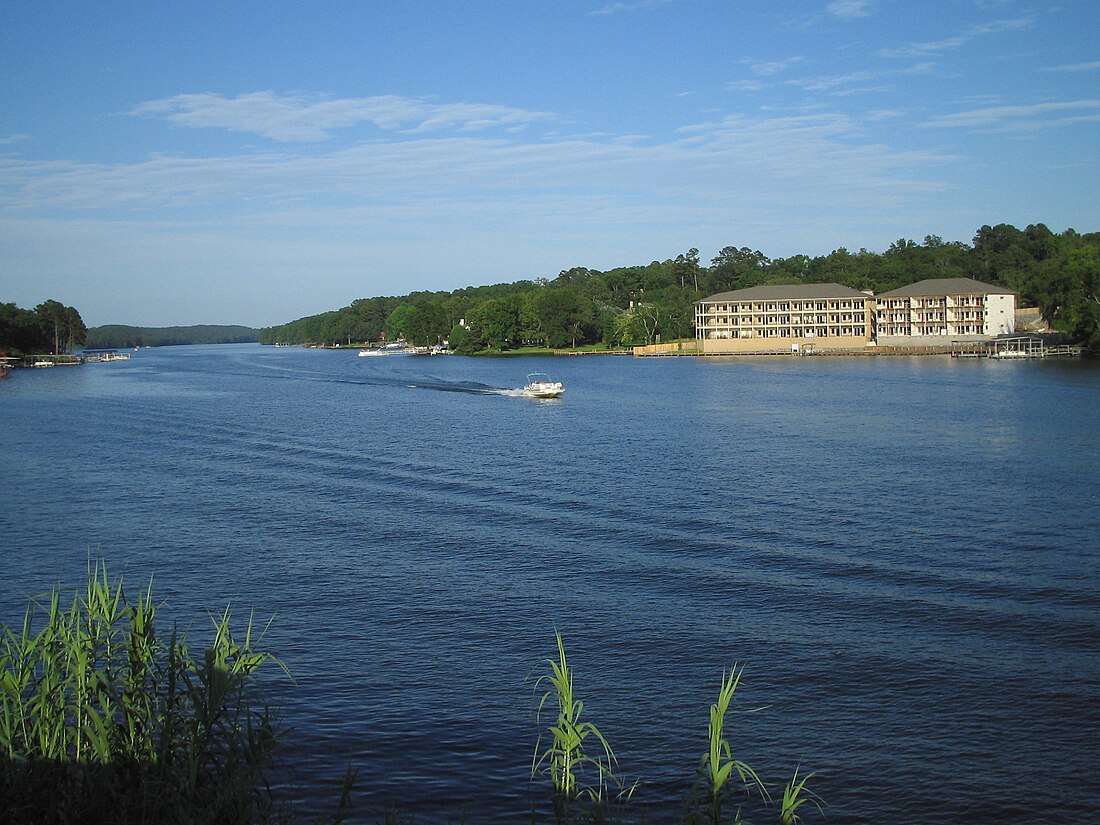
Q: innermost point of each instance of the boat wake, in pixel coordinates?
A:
(410, 381)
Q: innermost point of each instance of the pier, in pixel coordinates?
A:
(102, 355)
(1012, 348)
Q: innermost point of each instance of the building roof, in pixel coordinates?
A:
(786, 292)
(946, 286)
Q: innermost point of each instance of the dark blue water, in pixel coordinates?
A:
(904, 554)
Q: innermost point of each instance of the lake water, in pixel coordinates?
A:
(903, 552)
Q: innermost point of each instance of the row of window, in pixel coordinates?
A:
(965, 315)
(790, 332)
(782, 306)
(950, 300)
(772, 320)
(930, 329)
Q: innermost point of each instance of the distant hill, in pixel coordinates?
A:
(117, 335)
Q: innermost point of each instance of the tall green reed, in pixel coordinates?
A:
(795, 795)
(718, 764)
(101, 720)
(567, 759)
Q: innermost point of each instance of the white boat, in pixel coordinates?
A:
(539, 385)
(43, 363)
(392, 348)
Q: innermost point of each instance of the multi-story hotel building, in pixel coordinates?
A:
(777, 318)
(942, 308)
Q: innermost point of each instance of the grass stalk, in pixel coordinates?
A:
(718, 764)
(566, 758)
(795, 795)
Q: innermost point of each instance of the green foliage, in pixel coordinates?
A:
(566, 759)
(718, 764)
(117, 335)
(51, 327)
(643, 304)
(569, 755)
(103, 721)
(795, 795)
(423, 323)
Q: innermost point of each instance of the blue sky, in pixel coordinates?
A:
(256, 162)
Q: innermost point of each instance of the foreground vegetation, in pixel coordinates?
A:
(587, 785)
(104, 721)
(627, 306)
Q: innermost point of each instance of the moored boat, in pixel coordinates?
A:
(392, 348)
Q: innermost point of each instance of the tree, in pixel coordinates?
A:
(397, 323)
(687, 266)
(430, 323)
(649, 316)
(52, 316)
(563, 316)
(734, 268)
(493, 324)
(1077, 293)
(76, 333)
(20, 329)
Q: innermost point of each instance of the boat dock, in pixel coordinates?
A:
(1012, 348)
(94, 356)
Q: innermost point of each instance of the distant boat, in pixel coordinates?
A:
(43, 363)
(392, 348)
(539, 385)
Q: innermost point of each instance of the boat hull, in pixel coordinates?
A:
(543, 390)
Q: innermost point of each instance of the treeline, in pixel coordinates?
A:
(1059, 273)
(51, 327)
(117, 335)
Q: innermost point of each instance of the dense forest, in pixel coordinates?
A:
(1057, 272)
(51, 327)
(117, 335)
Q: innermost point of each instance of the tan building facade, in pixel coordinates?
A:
(940, 310)
(784, 318)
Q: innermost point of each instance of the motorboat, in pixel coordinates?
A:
(539, 385)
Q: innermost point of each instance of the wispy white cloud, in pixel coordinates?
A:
(934, 47)
(849, 9)
(294, 118)
(746, 85)
(339, 221)
(628, 5)
(766, 68)
(856, 81)
(824, 152)
(1091, 66)
(1038, 115)
(878, 115)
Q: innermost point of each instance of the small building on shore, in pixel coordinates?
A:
(939, 310)
(784, 318)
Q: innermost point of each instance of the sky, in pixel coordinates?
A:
(254, 163)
